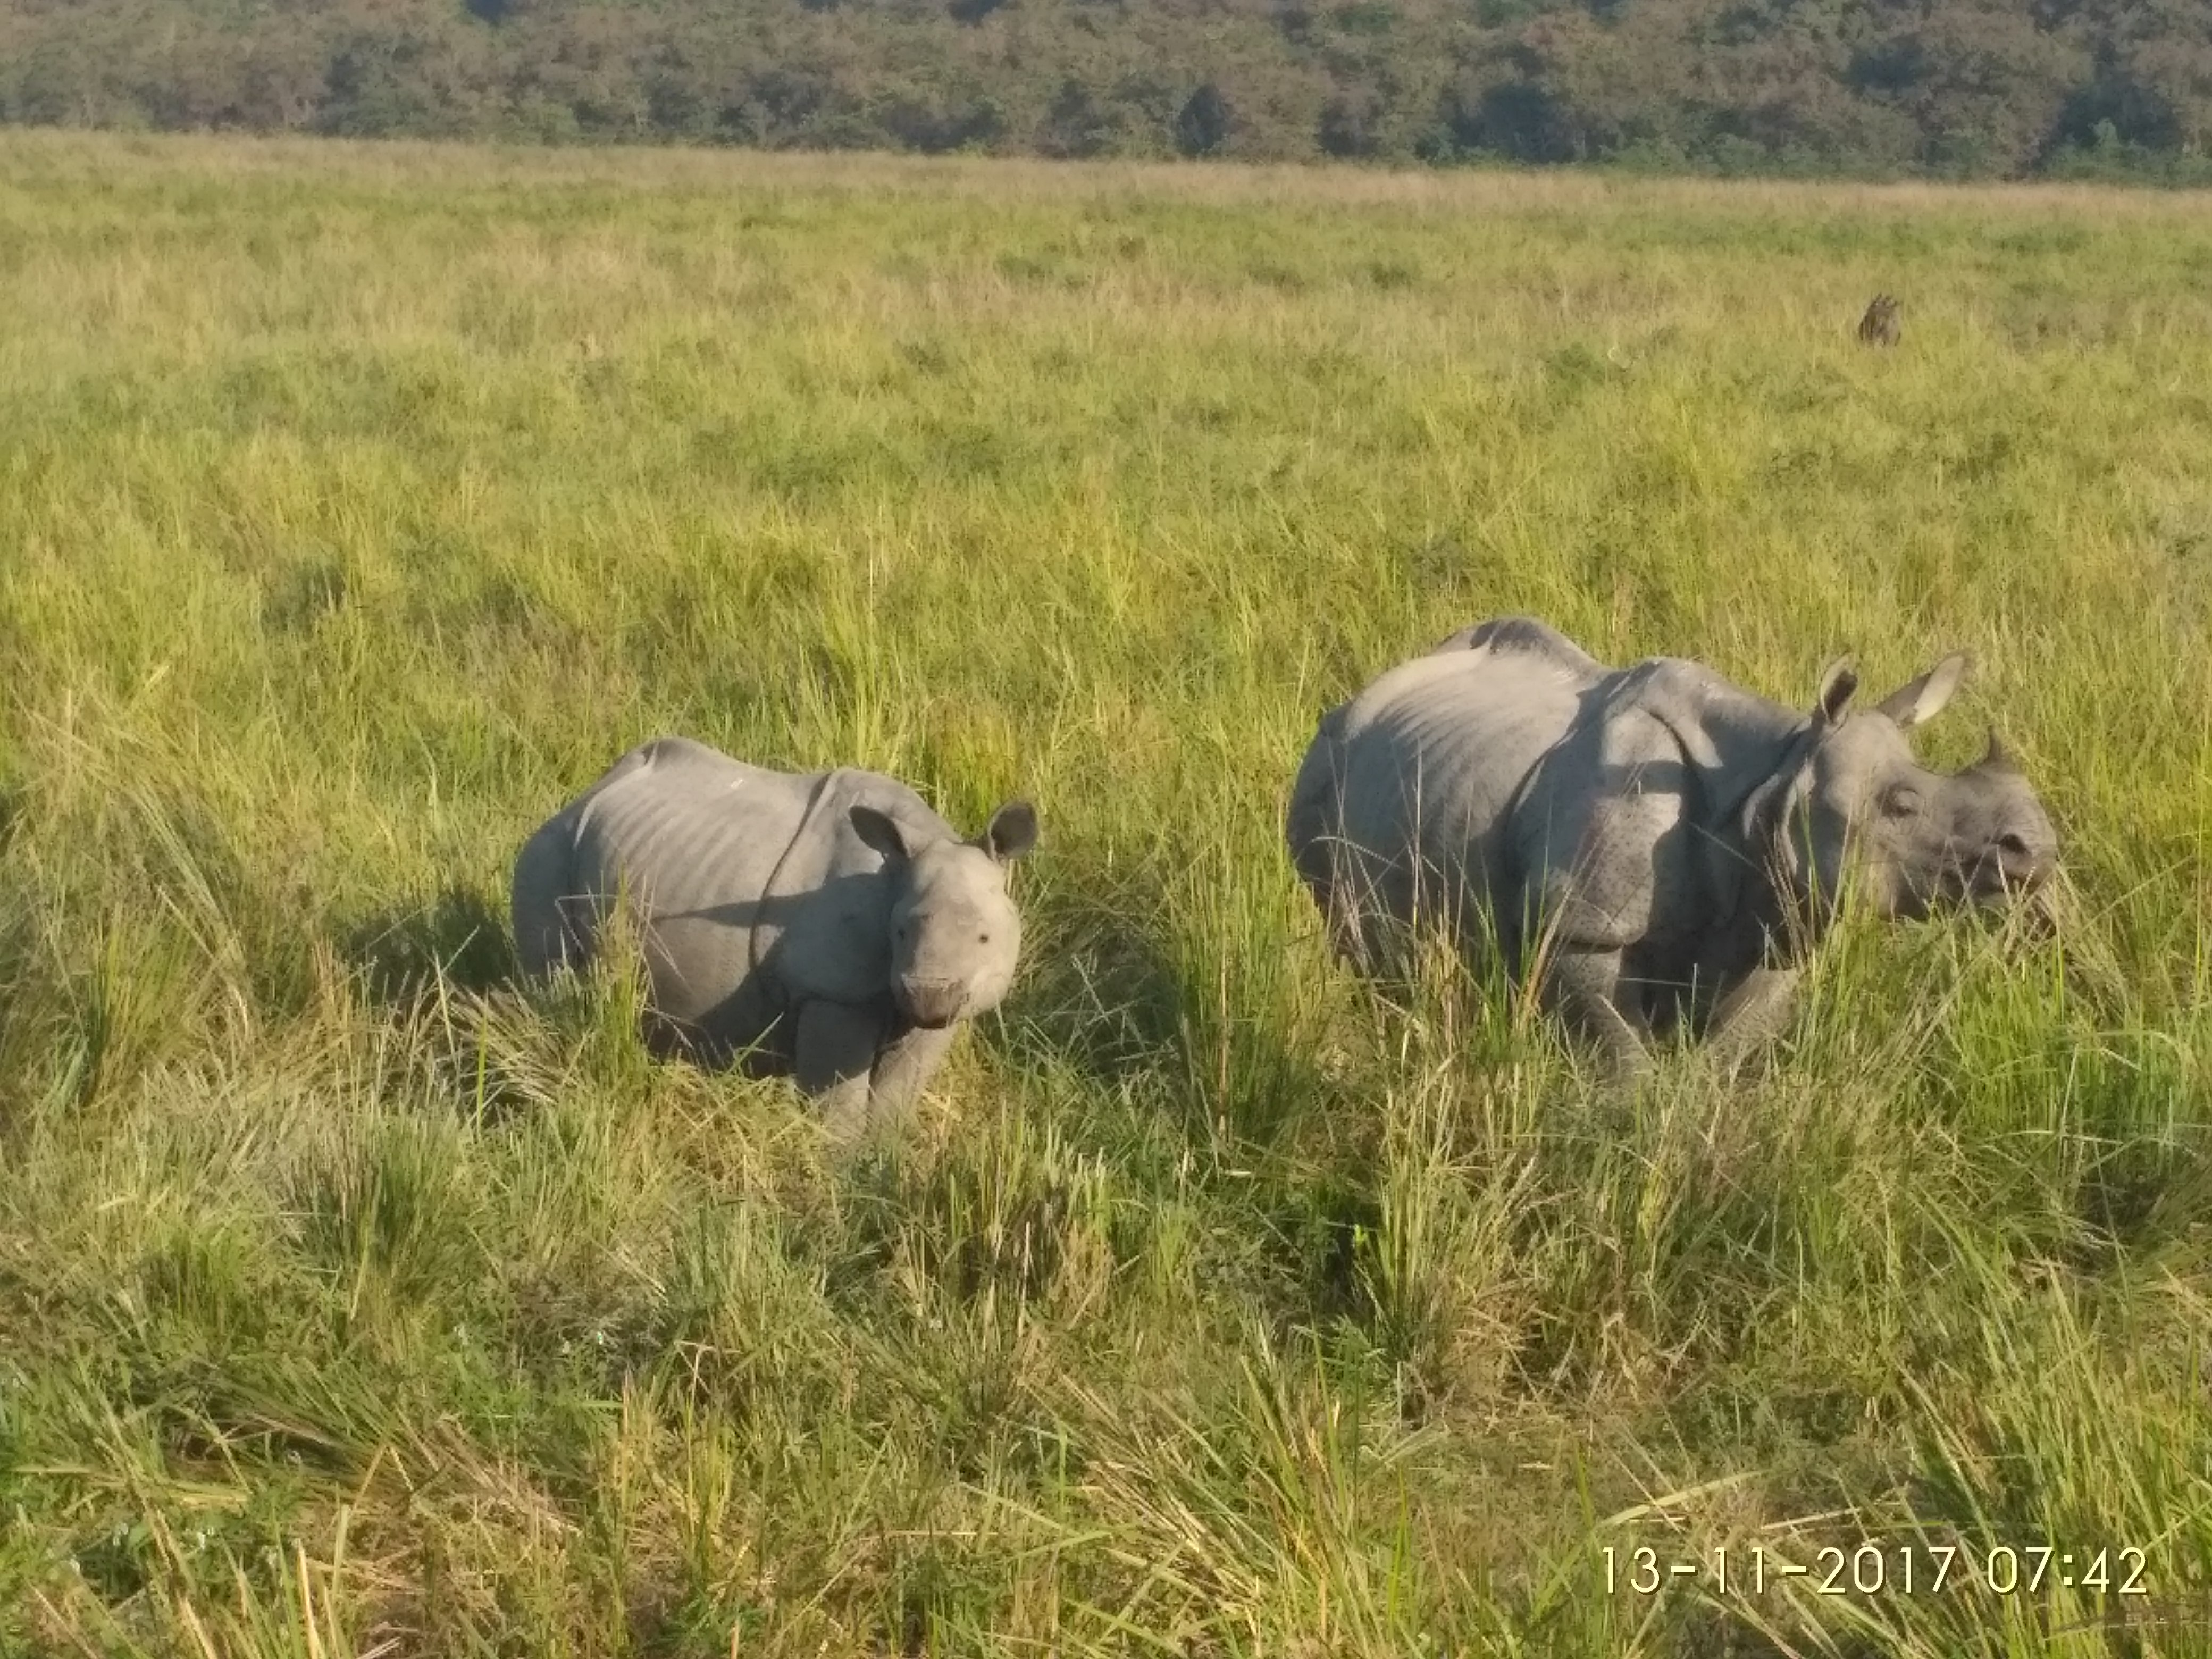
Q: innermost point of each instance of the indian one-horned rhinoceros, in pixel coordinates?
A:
(829, 926)
(1657, 847)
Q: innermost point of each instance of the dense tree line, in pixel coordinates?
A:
(2003, 87)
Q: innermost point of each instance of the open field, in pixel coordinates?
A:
(359, 505)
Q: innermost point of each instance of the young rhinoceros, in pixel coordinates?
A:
(829, 925)
(1660, 846)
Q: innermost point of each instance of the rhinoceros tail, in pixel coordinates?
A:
(547, 934)
(1312, 817)
(1307, 812)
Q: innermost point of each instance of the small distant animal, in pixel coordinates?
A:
(1879, 327)
(829, 926)
(1659, 848)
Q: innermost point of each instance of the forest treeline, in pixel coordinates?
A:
(1952, 87)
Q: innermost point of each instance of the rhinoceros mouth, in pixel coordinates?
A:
(2000, 880)
(931, 1008)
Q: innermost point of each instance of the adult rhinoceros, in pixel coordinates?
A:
(1659, 846)
(829, 925)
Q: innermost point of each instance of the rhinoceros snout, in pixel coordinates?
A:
(2023, 865)
(2014, 870)
(933, 1003)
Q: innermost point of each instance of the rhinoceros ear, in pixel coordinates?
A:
(1923, 698)
(877, 831)
(1011, 833)
(1838, 681)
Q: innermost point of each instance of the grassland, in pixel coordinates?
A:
(359, 504)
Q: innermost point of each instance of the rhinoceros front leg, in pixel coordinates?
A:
(834, 1061)
(1588, 989)
(1752, 1014)
(904, 1070)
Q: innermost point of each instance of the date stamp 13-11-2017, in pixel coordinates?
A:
(1872, 1570)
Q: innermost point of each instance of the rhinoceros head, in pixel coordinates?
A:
(1911, 840)
(956, 935)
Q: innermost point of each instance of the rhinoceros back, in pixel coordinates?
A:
(739, 876)
(1403, 807)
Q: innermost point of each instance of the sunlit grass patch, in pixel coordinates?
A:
(358, 505)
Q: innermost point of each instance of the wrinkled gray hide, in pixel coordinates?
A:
(1660, 846)
(830, 927)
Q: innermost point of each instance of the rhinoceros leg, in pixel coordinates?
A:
(1588, 989)
(835, 1055)
(1354, 937)
(904, 1070)
(1752, 1014)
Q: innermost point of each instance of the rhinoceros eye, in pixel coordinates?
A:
(1901, 801)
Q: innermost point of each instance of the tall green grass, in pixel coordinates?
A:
(357, 505)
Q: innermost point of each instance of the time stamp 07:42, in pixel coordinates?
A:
(1884, 1570)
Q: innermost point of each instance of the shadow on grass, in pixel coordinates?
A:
(404, 953)
(1099, 997)
(412, 960)
(1129, 991)
(1198, 1012)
